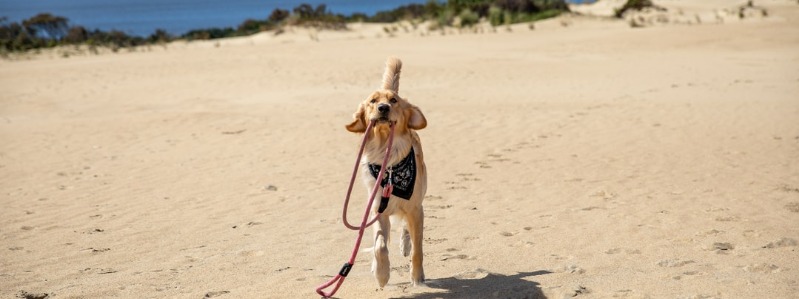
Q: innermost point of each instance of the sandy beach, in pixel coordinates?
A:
(583, 158)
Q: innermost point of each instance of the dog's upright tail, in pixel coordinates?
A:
(392, 75)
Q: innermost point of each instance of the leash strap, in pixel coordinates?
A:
(345, 270)
(355, 173)
(386, 195)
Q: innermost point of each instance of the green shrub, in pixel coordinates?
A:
(633, 4)
(446, 16)
(507, 17)
(468, 17)
(278, 15)
(495, 15)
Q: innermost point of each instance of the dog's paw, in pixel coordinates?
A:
(418, 282)
(382, 277)
(381, 266)
(405, 243)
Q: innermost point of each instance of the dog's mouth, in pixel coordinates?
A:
(382, 119)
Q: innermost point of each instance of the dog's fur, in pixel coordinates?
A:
(408, 119)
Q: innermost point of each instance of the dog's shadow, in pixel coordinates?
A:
(492, 285)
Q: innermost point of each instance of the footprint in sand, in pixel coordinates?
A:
(793, 207)
(252, 253)
(686, 273)
(93, 231)
(721, 247)
(783, 242)
(98, 270)
(787, 188)
(97, 250)
(483, 164)
(434, 241)
(476, 274)
(579, 290)
(401, 271)
(522, 244)
(751, 233)
(467, 177)
(591, 208)
(438, 207)
(453, 185)
(728, 219)
(507, 234)
(569, 269)
(432, 197)
(215, 294)
(762, 268)
(27, 295)
(673, 263)
(498, 157)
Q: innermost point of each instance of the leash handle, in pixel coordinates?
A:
(320, 289)
(338, 278)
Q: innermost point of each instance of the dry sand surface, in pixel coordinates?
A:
(581, 159)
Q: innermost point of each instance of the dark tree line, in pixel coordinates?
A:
(46, 30)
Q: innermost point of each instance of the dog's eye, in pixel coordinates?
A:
(373, 101)
(393, 100)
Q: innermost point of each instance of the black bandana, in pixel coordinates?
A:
(403, 176)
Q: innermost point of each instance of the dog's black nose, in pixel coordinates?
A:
(383, 108)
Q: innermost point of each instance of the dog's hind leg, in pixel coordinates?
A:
(415, 222)
(381, 265)
(405, 240)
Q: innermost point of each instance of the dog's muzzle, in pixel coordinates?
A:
(383, 112)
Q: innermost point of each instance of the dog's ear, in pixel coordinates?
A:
(359, 124)
(416, 119)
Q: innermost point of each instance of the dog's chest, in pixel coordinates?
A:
(402, 176)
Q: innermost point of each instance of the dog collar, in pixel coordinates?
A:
(402, 176)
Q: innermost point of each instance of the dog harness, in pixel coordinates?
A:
(402, 176)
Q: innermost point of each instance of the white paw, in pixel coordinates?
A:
(381, 266)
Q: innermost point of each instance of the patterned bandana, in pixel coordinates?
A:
(403, 176)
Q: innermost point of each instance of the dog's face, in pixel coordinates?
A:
(385, 107)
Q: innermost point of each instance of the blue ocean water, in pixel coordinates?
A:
(143, 17)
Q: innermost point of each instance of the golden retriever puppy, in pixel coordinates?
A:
(405, 170)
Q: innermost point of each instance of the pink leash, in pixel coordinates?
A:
(339, 279)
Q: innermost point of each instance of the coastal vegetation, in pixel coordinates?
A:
(633, 5)
(46, 30)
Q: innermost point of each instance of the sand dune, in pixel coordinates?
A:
(591, 160)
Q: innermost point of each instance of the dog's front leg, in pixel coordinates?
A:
(415, 221)
(381, 265)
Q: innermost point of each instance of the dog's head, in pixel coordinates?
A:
(385, 105)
